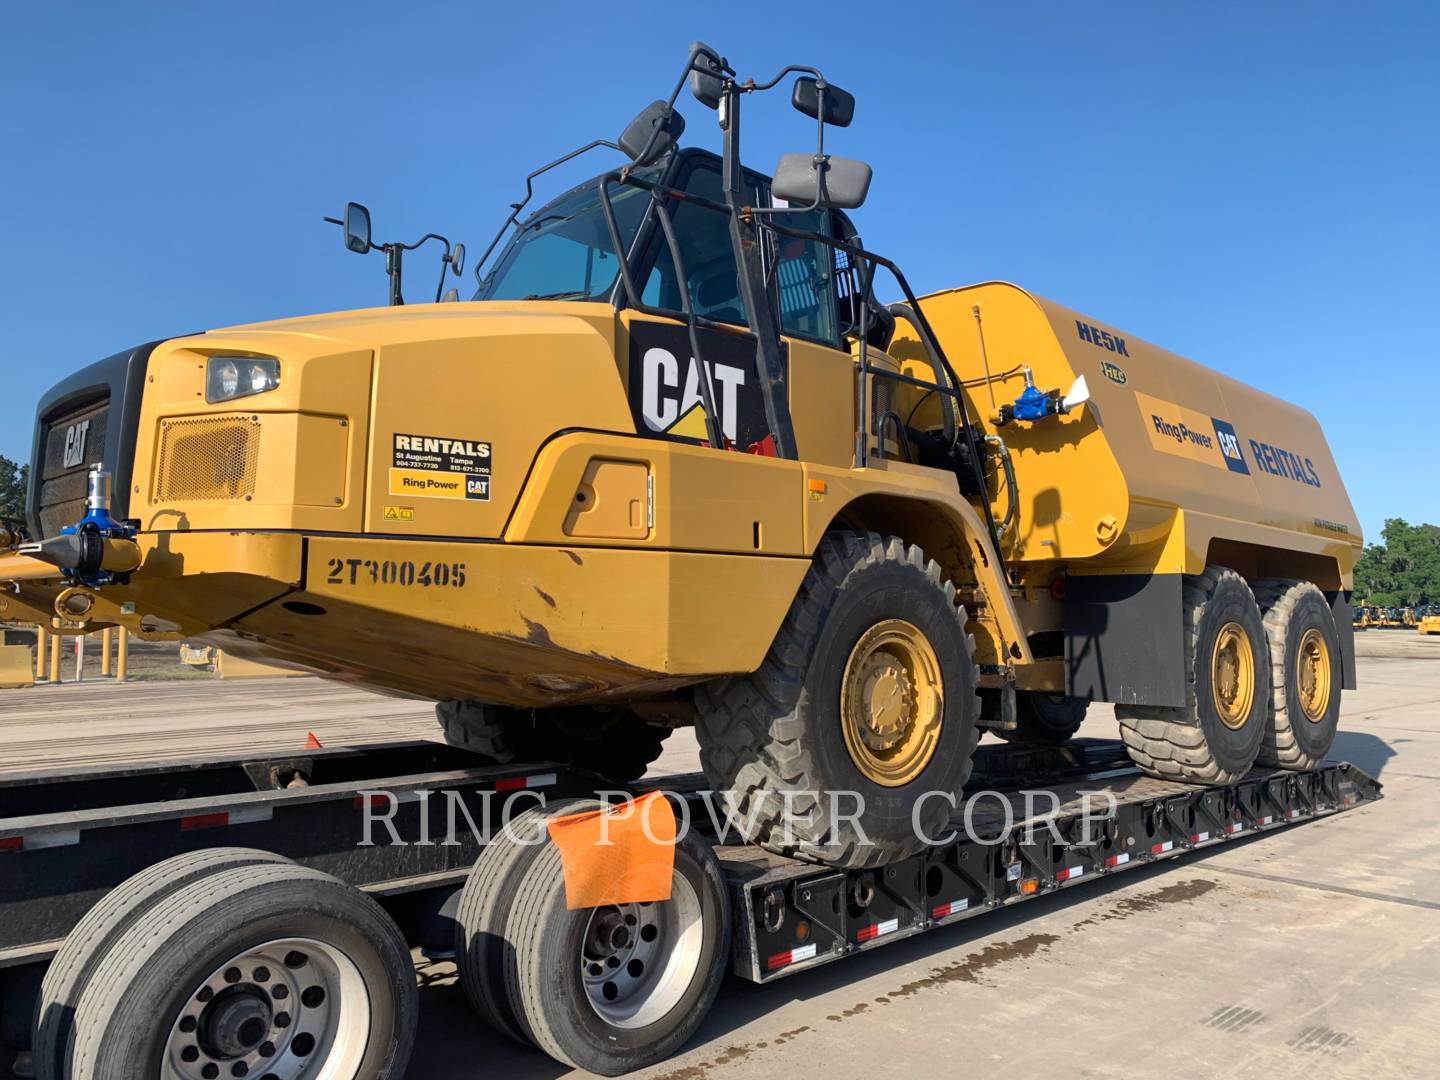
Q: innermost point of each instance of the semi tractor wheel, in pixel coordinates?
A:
(615, 744)
(1305, 667)
(1045, 719)
(859, 727)
(263, 971)
(86, 945)
(616, 988)
(1215, 736)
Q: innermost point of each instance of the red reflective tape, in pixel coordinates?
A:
(12, 843)
(1118, 860)
(510, 783)
(380, 801)
(1161, 849)
(204, 821)
(792, 956)
(865, 933)
(1069, 872)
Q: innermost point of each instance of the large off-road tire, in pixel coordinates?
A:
(87, 944)
(1215, 736)
(616, 988)
(257, 970)
(1044, 719)
(477, 727)
(614, 744)
(868, 689)
(480, 944)
(1305, 673)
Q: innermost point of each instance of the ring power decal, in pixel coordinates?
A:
(439, 467)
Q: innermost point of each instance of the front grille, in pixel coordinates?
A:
(211, 457)
(73, 441)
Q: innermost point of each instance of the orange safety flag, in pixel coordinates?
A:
(623, 854)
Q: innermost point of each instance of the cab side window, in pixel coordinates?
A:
(704, 239)
(805, 279)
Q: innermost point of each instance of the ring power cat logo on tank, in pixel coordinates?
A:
(1174, 429)
(438, 467)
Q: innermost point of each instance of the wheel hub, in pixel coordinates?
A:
(1232, 676)
(891, 703)
(638, 960)
(1312, 670)
(294, 1009)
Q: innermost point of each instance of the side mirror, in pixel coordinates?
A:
(357, 228)
(451, 296)
(457, 259)
(652, 134)
(705, 81)
(841, 184)
(839, 104)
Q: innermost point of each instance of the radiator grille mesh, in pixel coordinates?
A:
(208, 458)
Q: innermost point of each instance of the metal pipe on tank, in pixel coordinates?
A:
(984, 359)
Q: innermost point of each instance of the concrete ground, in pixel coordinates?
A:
(1314, 952)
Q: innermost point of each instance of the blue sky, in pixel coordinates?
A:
(1252, 185)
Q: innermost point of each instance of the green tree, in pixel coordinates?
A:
(1404, 570)
(14, 479)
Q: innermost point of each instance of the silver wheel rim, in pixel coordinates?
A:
(638, 960)
(291, 1009)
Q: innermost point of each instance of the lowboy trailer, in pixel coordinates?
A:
(89, 856)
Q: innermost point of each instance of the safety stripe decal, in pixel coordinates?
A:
(792, 956)
(1070, 873)
(875, 930)
(1118, 860)
(1162, 848)
(944, 911)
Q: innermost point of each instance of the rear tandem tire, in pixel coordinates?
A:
(671, 963)
(1215, 736)
(485, 902)
(196, 979)
(86, 945)
(1045, 719)
(1305, 666)
(616, 745)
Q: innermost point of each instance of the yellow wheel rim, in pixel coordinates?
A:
(892, 703)
(1312, 675)
(1232, 675)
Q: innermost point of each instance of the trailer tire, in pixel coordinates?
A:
(328, 974)
(485, 902)
(1044, 719)
(777, 742)
(86, 945)
(1215, 736)
(1305, 672)
(685, 942)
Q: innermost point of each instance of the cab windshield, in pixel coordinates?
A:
(564, 251)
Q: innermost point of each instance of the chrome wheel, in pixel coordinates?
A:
(293, 1009)
(638, 960)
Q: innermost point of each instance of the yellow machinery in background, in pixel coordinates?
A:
(696, 472)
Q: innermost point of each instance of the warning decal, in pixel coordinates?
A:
(435, 467)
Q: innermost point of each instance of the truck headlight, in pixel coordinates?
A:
(229, 377)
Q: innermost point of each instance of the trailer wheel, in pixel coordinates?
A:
(1305, 667)
(1045, 719)
(1215, 736)
(485, 903)
(87, 944)
(265, 971)
(615, 744)
(617, 988)
(868, 688)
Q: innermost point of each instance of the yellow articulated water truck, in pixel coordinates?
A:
(676, 463)
(718, 482)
